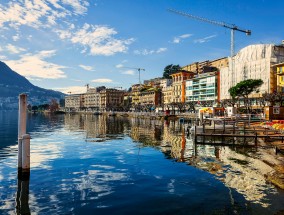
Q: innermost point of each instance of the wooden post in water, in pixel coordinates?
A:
(195, 134)
(224, 123)
(255, 140)
(23, 140)
(26, 153)
(201, 118)
(249, 117)
(22, 125)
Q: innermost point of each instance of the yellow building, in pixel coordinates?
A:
(207, 66)
(278, 69)
(150, 97)
(167, 97)
(135, 93)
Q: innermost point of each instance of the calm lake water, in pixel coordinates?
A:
(85, 164)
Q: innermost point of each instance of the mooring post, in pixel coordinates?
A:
(224, 122)
(22, 124)
(249, 117)
(255, 141)
(26, 153)
(201, 118)
(195, 134)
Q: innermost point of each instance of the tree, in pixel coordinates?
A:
(244, 88)
(170, 69)
(274, 98)
(54, 106)
(34, 108)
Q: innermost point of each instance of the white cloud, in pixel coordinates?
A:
(149, 52)
(72, 89)
(88, 68)
(13, 49)
(119, 66)
(102, 80)
(205, 39)
(129, 72)
(35, 66)
(99, 40)
(39, 13)
(161, 50)
(79, 6)
(178, 39)
(16, 37)
(96, 40)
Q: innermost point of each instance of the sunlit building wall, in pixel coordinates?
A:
(252, 62)
(278, 71)
(74, 102)
(111, 99)
(202, 87)
(178, 86)
(92, 99)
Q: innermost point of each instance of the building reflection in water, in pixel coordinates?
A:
(97, 128)
(238, 168)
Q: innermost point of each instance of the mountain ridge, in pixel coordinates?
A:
(12, 84)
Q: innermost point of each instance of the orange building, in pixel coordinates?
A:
(178, 85)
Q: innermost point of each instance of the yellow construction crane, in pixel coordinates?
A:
(223, 24)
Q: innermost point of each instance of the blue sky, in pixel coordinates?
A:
(66, 44)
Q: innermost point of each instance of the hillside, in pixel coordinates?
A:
(12, 84)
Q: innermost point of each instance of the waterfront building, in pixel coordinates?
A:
(207, 66)
(166, 87)
(155, 82)
(203, 87)
(92, 99)
(150, 98)
(252, 62)
(167, 96)
(135, 93)
(111, 99)
(178, 85)
(193, 67)
(127, 101)
(74, 102)
(164, 83)
(278, 71)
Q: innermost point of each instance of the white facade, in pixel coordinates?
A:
(202, 87)
(164, 83)
(251, 62)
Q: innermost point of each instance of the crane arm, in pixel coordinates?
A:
(223, 24)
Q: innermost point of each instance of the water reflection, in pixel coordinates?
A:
(96, 128)
(238, 168)
(82, 164)
(22, 197)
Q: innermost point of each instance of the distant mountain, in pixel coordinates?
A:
(12, 84)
